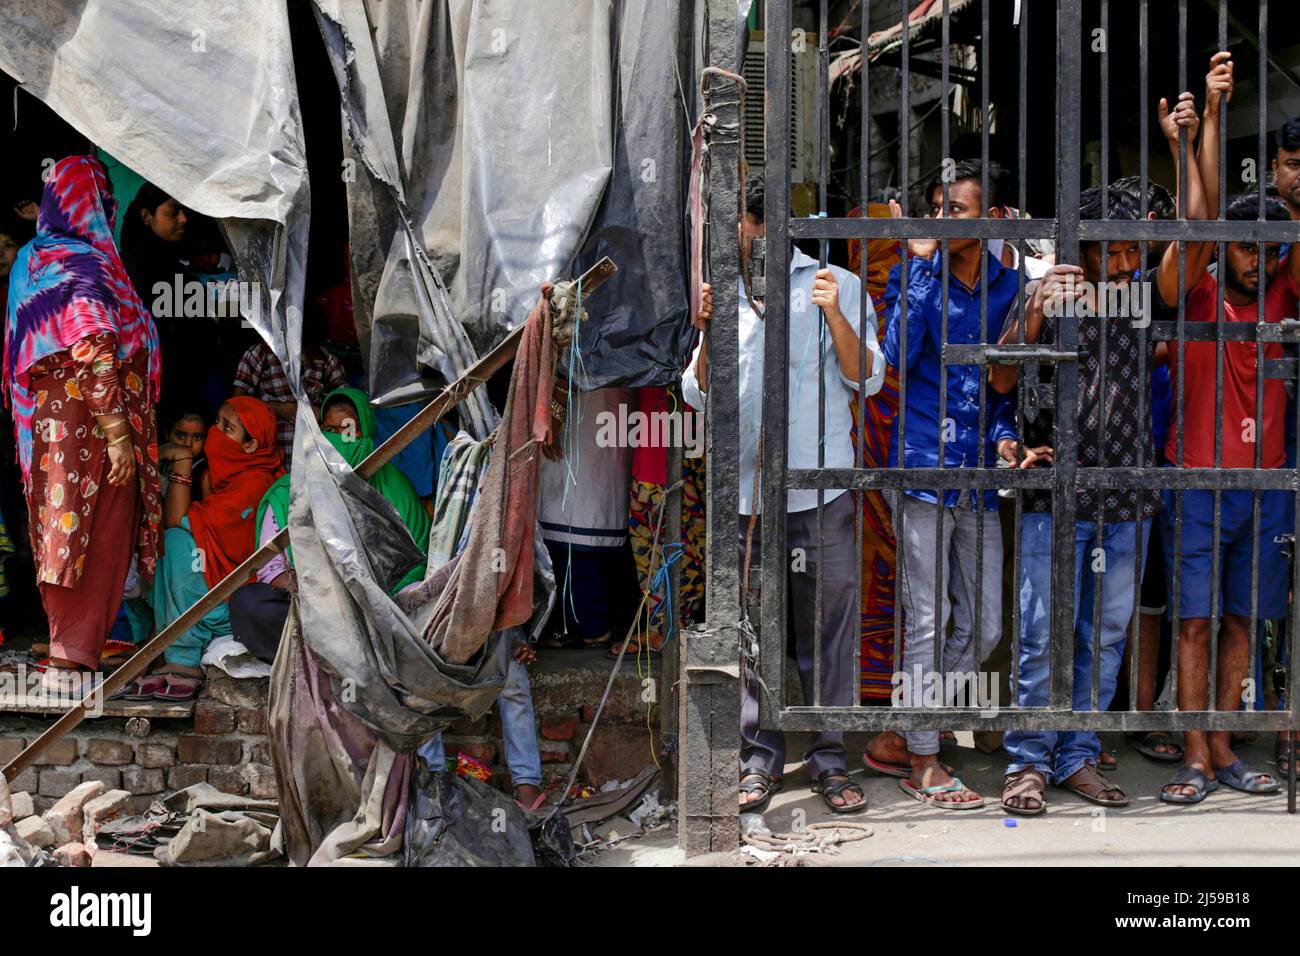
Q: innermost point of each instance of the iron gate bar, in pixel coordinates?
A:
(776, 414)
(823, 174)
(904, 159)
(945, 275)
(864, 303)
(981, 434)
(1022, 176)
(1089, 230)
(1138, 479)
(1135, 626)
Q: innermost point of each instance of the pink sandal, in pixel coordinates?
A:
(142, 688)
(178, 688)
(536, 805)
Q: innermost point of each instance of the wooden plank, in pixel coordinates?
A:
(38, 703)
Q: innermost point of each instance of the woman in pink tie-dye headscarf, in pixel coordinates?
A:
(81, 372)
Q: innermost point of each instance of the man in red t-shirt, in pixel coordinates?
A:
(1252, 435)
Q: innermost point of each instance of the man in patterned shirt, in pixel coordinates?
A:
(261, 375)
(1111, 308)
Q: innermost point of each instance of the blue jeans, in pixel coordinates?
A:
(518, 729)
(1059, 755)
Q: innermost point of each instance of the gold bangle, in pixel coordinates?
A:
(119, 439)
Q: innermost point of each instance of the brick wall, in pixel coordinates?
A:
(225, 743)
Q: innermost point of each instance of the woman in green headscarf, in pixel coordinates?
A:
(349, 424)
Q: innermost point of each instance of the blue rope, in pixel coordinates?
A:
(662, 581)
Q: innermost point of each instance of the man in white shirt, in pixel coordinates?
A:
(837, 294)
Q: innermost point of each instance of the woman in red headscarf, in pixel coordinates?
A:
(208, 538)
(81, 374)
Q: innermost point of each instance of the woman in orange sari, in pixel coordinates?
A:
(209, 538)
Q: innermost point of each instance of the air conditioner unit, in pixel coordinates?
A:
(803, 108)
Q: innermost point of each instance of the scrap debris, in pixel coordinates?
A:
(794, 849)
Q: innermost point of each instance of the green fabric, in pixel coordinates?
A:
(177, 586)
(388, 481)
(126, 182)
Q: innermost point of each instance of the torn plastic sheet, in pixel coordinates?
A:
(459, 821)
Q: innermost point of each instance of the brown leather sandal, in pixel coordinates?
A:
(1027, 784)
(1090, 785)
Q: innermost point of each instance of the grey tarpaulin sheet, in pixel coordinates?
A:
(506, 143)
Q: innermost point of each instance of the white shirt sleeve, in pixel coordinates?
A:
(691, 391)
(851, 305)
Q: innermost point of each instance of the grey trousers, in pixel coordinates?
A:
(763, 751)
(958, 601)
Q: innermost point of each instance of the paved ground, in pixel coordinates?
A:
(1229, 828)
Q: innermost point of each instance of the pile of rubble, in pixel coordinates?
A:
(62, 836)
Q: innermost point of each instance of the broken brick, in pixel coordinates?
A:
(74, 854)
(35, 831)
(103, 809)
(66, 816)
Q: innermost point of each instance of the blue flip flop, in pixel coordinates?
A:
(1189, 777)
(1240, 776)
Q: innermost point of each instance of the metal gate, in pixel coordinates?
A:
(1064, 480)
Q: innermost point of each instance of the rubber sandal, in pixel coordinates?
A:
(894, 769)
(179, 688)
(928, 795)
(829, 787)
(1107, 761)
(68, 681)
(1103, 785)
(1240, 776)
(1146, 744)
(768, 786)
(1188, 777)
(1030, 783)
(536, 804)
(144, 688)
